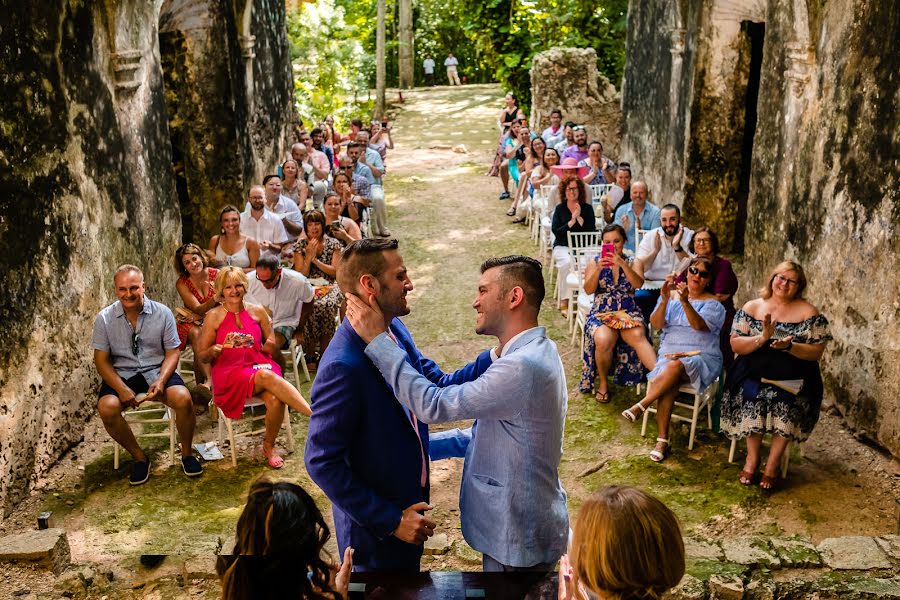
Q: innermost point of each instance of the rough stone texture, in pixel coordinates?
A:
(70, 585)
(722, 587)
(437, 544)
(689, 588)
(702, 550)
(567, 79)
(890, 544)
(87, 184)
(47, 547)
(750, 551)
(854, 552)
(796, 554)
(824, 185)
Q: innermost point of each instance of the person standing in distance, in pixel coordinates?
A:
(428, 65)
(451, 63)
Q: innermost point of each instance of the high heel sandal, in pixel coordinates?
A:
(630, 416)
(656, 455)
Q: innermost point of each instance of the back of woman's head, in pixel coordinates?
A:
(278, 550)
(627, 545)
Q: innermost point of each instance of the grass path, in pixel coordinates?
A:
(446, 214)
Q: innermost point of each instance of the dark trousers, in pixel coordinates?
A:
(429, 78)
(646, 301)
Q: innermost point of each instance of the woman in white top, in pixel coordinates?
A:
(343, 229)
(292, 184)
(231, 247)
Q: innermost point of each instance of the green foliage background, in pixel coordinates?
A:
(333, 44)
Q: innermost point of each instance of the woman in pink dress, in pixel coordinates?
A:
(238, 340)
(195, 286)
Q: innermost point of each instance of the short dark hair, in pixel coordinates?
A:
(316, 131)
(522, 271)
(268, 177)
(363, 257)
(314, 216)
(556, 111)
(598, 143)
(357, 122)
(613, 227)
(268, 261)
(569, 124)
(671, 206)
(713, 240)
(352, 145)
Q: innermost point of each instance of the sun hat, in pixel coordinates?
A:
(567, 167)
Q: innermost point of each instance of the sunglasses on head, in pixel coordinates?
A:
(698, 272)
(578, 128)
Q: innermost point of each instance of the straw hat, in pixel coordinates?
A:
(568, 167)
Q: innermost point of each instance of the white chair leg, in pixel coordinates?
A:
(731, 450)
(287, 426)
(644, 423)
(171, 414)
(230, 428)
(695, 414)
(116, 456)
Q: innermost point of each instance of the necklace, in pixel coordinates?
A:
(237, 316)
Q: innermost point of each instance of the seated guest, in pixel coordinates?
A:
(576, 215)
(638, 214)
(321, 169)
(284, 293)
(317, 257)
(231, 247)
(318, 139)
(370, 158)
(777, 338)
(532, 149)
(343, 229)
(690, 318)
(195, 286)
(293, 182)
(279, 549)
(541, 174)
(263, 225)
(556, 132)
(568, 167)
(135, 343)
(627, 545)
(352, 204)
(509, 114)
(662, 252)
(619, 194)
(568, 139)
(381, 138)
(579, 150)
(723, 283)
(239, 341)
(281, 205)
(376, 193)
(614, 329)
(359, 188)
(602, 170)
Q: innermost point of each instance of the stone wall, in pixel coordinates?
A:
(567, 79)
(823, 177)
(87, 183)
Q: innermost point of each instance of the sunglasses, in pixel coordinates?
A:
(270, 279)
(698, 272)
(578, 128)
(135, 343)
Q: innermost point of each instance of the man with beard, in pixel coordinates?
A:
(580, 150)
(368, 453)
(261, 224)
(661, 251)
(512, 503)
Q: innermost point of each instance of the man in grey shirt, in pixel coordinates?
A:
(512, 503)
(136, 352)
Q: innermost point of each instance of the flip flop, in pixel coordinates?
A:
(511, 212)
(273, 460)
(602, 397)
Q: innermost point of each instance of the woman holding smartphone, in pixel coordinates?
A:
(614, 329)
(341, 228)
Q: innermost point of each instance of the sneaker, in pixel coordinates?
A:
(504, 196)
(140, 472)
(191, 466)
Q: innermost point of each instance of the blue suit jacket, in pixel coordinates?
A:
(362, 449)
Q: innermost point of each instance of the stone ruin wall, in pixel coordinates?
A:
(824, 175)
(567, 79)
(87, 184)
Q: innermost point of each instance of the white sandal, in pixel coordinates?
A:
(656, 455)
(630, 416)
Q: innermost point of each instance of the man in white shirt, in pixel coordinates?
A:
(371, 159)
(283, 206)
(428, 65)
(284, 292)
(321, 170)
(451, 64)
(263, 225)
(556, 133)
(661, 251)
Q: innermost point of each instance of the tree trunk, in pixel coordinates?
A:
(406, 44)
(379, 60)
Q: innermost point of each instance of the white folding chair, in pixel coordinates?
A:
(702, 399)
(294, 359)
(186, 364)
(583, 304)
(582, 245)
(545, 235)
(638, 236)
(785, 456)
(226, 424)
(149, 413)
(598, 190)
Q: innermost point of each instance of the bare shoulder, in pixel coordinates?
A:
(215, 316)
(256, 311)
(753, 307)
(252, 243)
(804, 310)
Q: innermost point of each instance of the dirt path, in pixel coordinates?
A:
(446, 214)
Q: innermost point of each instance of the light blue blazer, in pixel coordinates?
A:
(512, 503)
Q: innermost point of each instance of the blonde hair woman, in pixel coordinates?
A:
(627, 546)
(242, 366)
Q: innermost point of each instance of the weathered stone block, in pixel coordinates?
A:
(437, 544)
(750, 551)
(47, 547)
(702, 550)
(795, 553)
(890, 544)
(853, 552)
(760, 588)
(722, 587)
(71, 585)
(689, 588)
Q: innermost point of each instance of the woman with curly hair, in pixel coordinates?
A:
(279, 549)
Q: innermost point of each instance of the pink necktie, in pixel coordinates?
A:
(415, 423)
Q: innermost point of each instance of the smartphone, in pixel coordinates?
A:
(384, 124)
(607, 250)
(336, 224)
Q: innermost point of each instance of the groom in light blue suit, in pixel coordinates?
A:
(512, 503)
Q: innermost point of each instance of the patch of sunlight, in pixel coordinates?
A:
(459, 234)
(438, 247)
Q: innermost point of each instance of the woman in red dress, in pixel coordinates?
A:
(195, 286)
(238, 340)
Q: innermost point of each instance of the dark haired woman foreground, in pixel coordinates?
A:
(279, 549)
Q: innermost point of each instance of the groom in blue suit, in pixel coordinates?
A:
(512, 503)
(368, 453)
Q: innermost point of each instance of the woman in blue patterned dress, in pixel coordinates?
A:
(774, 385)
(614, 329)
(690, 318)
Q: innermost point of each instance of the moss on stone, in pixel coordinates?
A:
(704, 569)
